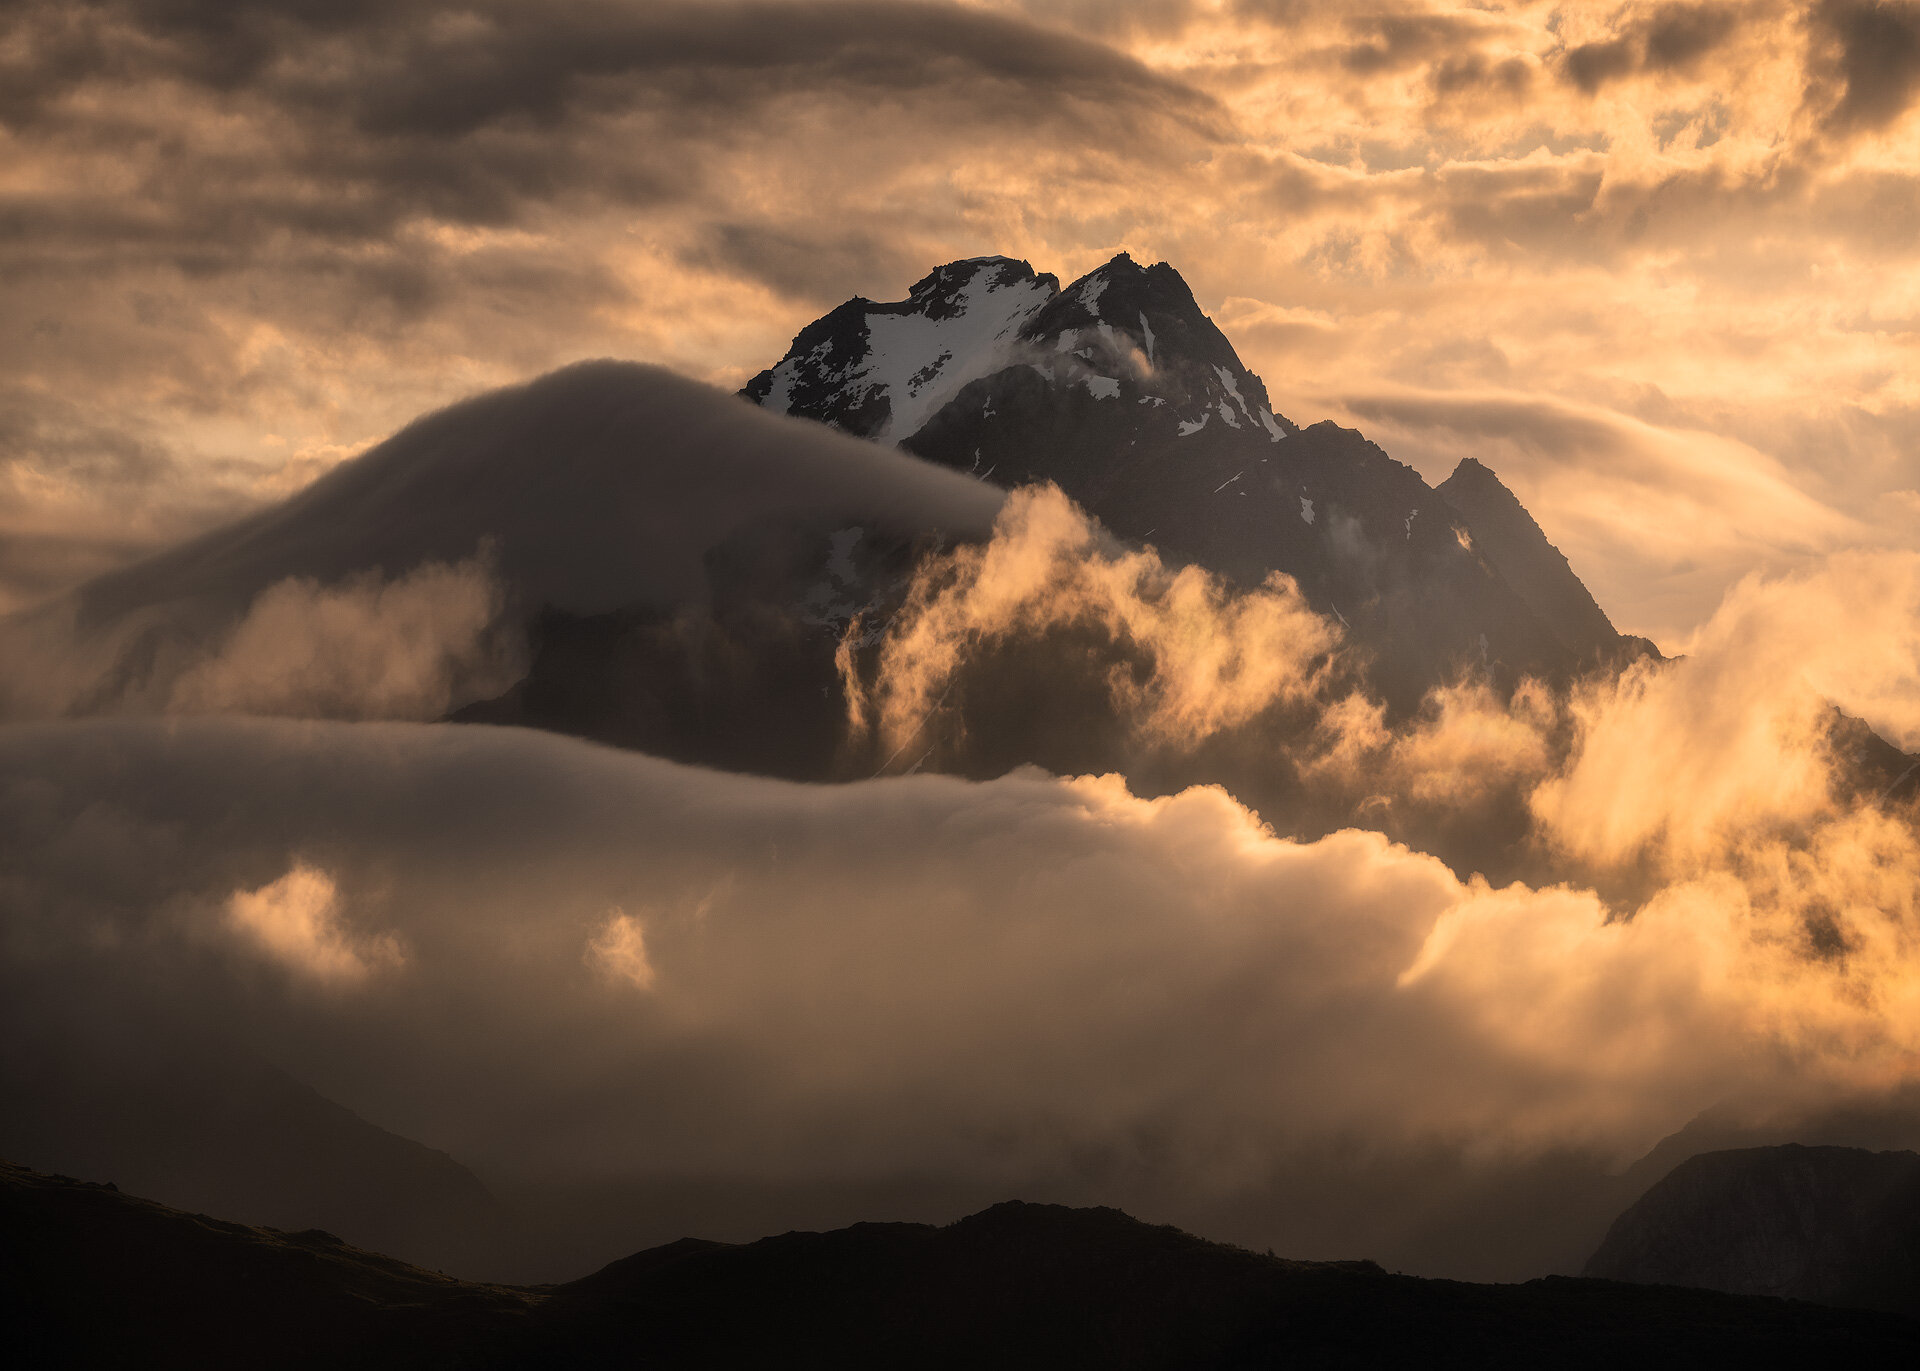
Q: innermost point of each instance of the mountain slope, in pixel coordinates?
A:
(91, 1277)
(605, 488)
(878, 370)
(1121, 391)
(94, 1277)
(1539, 571)
(1837, 1225)
(93, 1090)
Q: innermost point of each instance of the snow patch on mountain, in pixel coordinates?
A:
(1090, 292)
(960, 324)
(1232, 388)
(920, 363)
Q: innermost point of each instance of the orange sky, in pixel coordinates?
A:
(1654, 264)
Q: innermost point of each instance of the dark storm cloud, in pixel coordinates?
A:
(444, 70)
(235, 203)
(1867, 65)
(378, 114)
(1670, 38)
(611, 966)
(1475, 73)
(823, 267)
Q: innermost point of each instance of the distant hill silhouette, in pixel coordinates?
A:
(92, 1277)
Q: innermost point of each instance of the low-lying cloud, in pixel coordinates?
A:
(629, 977)
(612, 967)
(402, 584)
(1214, 658)
(364, 649)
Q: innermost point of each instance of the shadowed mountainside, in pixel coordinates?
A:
(1536, 569)
(205, 1125)
(94, 1277)
(1836, 1225)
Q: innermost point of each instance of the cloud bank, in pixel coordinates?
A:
(401, 584)
(557, 959)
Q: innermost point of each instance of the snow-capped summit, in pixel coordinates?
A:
(880, 370)
(1122, 332)
(1140, 327)
(1120, 390)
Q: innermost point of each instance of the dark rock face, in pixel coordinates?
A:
(875, 370)
(1122, 392)
(1536, 569)
(1836, 1225)
(92, 1277)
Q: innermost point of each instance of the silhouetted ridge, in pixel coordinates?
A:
(92, 1277)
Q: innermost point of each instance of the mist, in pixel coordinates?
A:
(570, 964)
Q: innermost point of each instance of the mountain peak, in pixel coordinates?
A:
(887, 370)
(945, 292)
(1507, 536)
(880, 370)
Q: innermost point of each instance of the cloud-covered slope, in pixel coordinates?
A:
(602, 485)
(401, 582)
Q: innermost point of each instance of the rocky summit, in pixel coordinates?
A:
(1122, 392)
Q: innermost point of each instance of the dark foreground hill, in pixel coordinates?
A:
(91, 1277)
(1840, 1225)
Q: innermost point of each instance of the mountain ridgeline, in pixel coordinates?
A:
(1119, 390)
(93, 1277)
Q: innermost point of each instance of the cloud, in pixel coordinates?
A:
(1030, 984)
(365, 648)
(296, 921)
(300, 230)
(621, 973)
(601, 487)
(1632, 503)
(1872, 53)
(1209, 659)
(620, 950)
(1048, 644)
(1664, 38)
(1682, 765)
(246, 242)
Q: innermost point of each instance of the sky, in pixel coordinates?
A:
(1653, 264)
